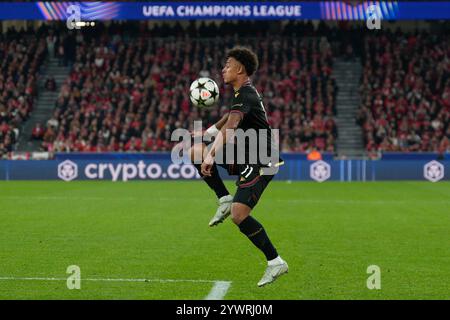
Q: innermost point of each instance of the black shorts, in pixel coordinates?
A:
(249, 192)
(250, 182)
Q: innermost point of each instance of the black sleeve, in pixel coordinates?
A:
(240, 105)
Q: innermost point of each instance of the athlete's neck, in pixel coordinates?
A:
(240, 82)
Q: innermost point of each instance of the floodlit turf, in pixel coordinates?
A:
(329, 234)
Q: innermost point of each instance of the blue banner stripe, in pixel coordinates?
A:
(325, 10)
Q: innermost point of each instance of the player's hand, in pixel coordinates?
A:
(207, 165)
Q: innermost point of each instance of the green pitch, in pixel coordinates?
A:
(329, 234)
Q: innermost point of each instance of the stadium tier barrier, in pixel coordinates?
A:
(141, 166)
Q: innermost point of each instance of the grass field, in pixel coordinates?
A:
(329, 234)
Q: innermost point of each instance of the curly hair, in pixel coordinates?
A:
(245, 56)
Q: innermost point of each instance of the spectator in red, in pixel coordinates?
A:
(38, 132)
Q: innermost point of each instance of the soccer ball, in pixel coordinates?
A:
(204, 92)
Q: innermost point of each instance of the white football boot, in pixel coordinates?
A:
(223, 211)
(273, 272)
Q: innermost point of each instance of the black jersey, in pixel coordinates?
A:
(248, 103)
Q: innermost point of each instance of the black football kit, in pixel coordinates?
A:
(255, 172)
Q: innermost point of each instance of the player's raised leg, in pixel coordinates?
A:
(215, 183)
(255, 232)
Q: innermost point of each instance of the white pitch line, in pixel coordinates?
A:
(111, 279)
(219, 290)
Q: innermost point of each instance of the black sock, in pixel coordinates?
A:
(256, 233)
(214, 181)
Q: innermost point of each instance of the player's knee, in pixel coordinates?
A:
(196, 152)
(235, 218)
(191, 153)
(239, 212)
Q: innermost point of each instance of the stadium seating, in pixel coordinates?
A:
(405, 91)
(128, 92)
(21, 56)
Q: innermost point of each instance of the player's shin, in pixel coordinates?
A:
(214, 181)
(258, 236)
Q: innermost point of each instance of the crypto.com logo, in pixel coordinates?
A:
(433, 171)
(320, 171)
(67, 170)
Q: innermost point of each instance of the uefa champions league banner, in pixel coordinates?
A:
(161, 167)
(320, 10)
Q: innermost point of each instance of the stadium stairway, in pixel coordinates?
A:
(44, 104)
(350, 139)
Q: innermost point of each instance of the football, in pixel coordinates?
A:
(204, 92)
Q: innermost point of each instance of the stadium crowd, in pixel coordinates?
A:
(128, 86)
(128, 93)
(20, 60)
(405, 92)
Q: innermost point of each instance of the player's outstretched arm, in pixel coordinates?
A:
(219, 124)
(215, 128)
(233, 120)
